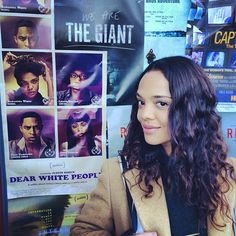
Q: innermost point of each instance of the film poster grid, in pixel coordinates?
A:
(70, 81)
(211, 42)
(57, 81)
(46, 90)
(41, 98)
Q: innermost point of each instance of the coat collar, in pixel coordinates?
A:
(153, 213)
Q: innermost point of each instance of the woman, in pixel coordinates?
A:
(27, 71)
(80, 139)
(178, 175)
(78, 86)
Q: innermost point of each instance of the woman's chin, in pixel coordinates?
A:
(78, 135)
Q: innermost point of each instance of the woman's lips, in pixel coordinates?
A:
(148, 129)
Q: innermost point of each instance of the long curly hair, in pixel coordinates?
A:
(198, 165)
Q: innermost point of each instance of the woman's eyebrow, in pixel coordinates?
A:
(162, 96)
(155, 96)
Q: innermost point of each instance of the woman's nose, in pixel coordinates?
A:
(147, 112)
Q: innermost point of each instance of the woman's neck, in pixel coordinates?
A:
(75, 93)
(82, 140)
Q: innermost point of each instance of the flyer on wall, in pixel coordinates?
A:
(165, 27)
(115, 26)
(210, 42)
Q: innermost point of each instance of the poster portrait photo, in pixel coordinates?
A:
(31, 134)
(79, 79)
(80, 132)
(25, 32)
(26, 6)
(28, 78)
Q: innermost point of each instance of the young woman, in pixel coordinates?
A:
(80, 139)
(179, 177)
(78, 80)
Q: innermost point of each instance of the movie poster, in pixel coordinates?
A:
(165, 28)
(54, 148)
(53, 105)
(115, 26)
(210, 42)
(42, 87)
(44, 215)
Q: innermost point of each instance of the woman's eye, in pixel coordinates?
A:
(140, 102)
(162, 104)
(34, 81)
(74, 126)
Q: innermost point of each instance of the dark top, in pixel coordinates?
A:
(183, 218)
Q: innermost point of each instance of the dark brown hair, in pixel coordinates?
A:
(198, 166)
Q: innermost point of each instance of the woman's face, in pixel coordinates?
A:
(154, 100)
(79, 128)
(76, 77)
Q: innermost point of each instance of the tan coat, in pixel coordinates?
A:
(107, 213)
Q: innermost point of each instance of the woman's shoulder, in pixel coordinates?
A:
(111, 165)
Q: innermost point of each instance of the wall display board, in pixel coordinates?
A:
(62, 63)
(210, 41)
(68, 46)
(60, 70)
